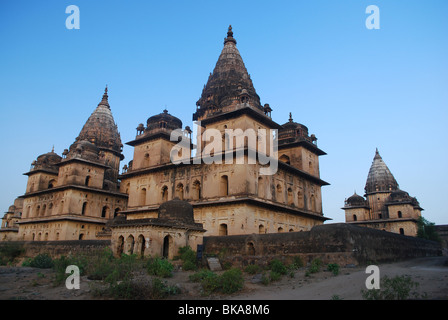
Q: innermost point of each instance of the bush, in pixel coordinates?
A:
(9, 252)
(333, 267)
(188, 257)
(137, 290)
(315, 265)
(159, 267)
(42, 261)
(229, 282)
(297, 262)
(278, 267)
(252, 269)
(396, 288)
(61, 264)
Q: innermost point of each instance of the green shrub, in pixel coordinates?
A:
(9, 252)
(137, 290)
(278, 267)
(297, 262)
(315, 265)
(333, 267)
(159, 267)
(188, 257)
(252, 269)
(231, 281)
(42, 260)
(396, 288)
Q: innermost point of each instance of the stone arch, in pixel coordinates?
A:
(284, 158)
(164, 194)
(120, 246)
(224, 185)
(105, 212)
(142, 197)
(196, 190)
(223, 229)
(260, 188)
(180, 191)
(250, 248)
(261, 229)
(130, 242)
(168, 247)
(141, 245)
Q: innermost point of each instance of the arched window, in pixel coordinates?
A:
(164, 193)
(44, 210)
(402, 231)
(84, 209)
(290, 197)
(279, 193)
(145, 160)
(400, 215)
(196, 195)
(180, 191)
(313, 203)
(51, 183)
(224, 186)
(105, 212)
(355, 218)
(300, 199)
(87, 181)
(116, 212)
(261, 229)
(81, 236)
(223, 229)
(142, 197)
(260, 187)
(280, 230)
(284, 158)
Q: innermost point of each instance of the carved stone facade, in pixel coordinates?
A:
(71, 197)
(228, 199)
(384, 206)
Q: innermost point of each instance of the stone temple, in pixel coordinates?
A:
(385, 206)
(82, 195)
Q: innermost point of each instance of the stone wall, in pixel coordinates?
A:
(333, 243)
(58, 248)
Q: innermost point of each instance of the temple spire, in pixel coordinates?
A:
(230, 37)
(105, 100)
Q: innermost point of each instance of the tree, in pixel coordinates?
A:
(427, 230)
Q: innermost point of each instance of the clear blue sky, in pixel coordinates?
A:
(355, 89)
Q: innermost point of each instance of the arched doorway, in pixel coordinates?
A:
(168, 247)
(130, 245)
(120, 245)
(141, 245)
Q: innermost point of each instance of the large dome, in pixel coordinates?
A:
(177, 210)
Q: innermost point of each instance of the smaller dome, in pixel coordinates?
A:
(170, 121)
(51, 157)
(399, 196)
(177, 210)
(356, 200)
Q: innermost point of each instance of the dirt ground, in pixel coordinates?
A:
(25, 283)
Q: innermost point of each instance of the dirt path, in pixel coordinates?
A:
(431, 274)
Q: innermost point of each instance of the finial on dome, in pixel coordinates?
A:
(105, 100)
(230, 37)
(290, 117)
(52, 149)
